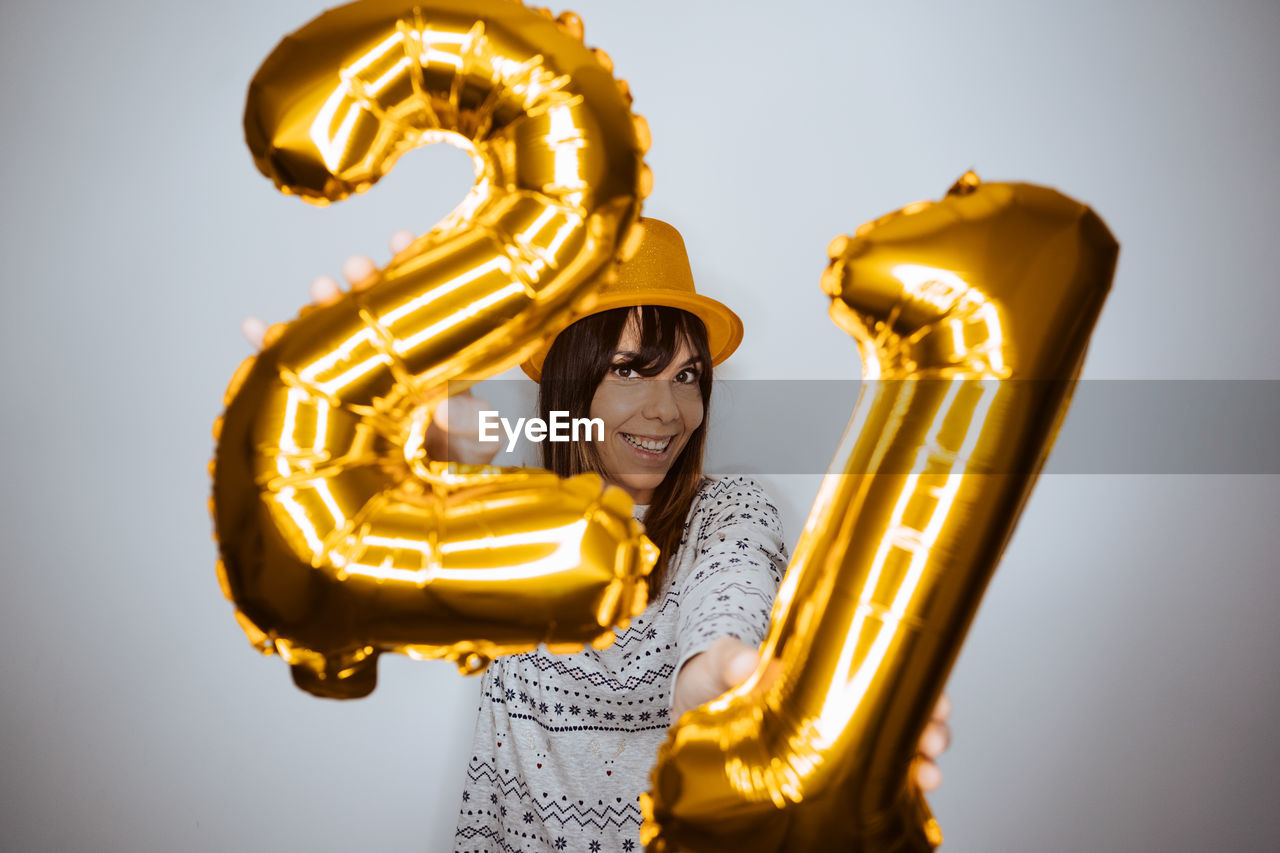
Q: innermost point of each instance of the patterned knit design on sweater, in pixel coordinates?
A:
(564, 744)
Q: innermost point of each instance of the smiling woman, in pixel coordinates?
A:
(652, 397)
(649, 408)
(564, 744)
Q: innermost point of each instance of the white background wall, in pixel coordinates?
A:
(1118, 691)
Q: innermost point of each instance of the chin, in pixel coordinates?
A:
(642, 484)
(647, 483)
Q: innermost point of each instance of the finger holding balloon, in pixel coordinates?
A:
(325, 290)
(935, 740)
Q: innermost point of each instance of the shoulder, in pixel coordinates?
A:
(735, 533)
(730, 489)
(733, 498)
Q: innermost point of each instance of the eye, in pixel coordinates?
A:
(622, 371)
(688, 376)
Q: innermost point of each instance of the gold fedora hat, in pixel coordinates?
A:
(659, 274)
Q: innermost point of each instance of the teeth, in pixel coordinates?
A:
(647, 443)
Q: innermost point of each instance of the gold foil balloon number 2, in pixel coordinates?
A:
(339, 538)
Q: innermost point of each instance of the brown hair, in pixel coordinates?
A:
(577, 363)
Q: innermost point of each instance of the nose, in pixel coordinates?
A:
(660, 400)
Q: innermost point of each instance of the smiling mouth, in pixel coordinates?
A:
(648, 446)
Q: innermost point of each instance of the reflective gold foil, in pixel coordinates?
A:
(339, 538)
(972, 316)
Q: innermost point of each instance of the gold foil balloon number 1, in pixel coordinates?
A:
(339, 538)
(972, 317)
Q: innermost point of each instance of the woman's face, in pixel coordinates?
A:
(647, 420)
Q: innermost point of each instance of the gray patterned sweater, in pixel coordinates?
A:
(564, 744)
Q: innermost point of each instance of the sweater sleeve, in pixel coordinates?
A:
(729, 588)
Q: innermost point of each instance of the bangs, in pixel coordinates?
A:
(582, 355)
(662, 331)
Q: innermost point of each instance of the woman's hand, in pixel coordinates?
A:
(454, 433)
(725, 664)
(728, 662)
(933, 742)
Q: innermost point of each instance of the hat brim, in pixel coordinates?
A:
(724, 328)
